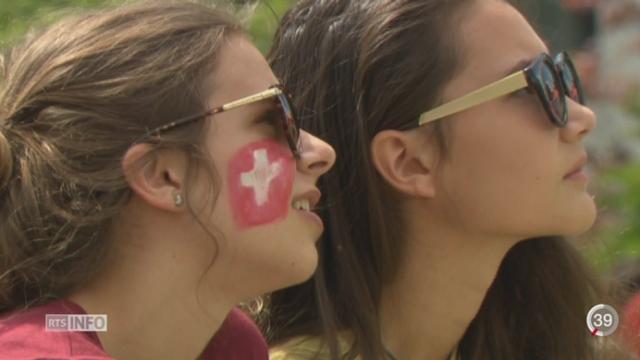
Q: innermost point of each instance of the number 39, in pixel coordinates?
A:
(599, 320)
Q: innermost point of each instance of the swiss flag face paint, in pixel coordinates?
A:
(260, 183)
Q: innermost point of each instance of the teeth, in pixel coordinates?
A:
(302, 205)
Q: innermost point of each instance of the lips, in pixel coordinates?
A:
(578, 165)
(305, 203)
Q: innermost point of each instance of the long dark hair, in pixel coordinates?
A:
(72, 101)
(359, 67)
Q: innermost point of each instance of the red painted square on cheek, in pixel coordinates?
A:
(260, 180)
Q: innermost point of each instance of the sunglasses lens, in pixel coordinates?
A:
(552, 94)
(570, 79)
(289, 123)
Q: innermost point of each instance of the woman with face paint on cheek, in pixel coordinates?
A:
(459, 173)
(152, 172)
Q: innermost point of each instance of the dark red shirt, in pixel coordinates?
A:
(23, 336)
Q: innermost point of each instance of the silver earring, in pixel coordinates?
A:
(177, 199)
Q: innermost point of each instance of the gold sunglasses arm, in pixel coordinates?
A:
(271, 92)
(486, 93)
(251, 99)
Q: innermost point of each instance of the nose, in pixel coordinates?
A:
(316, 156)
(581, 121)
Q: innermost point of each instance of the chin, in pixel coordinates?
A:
(581, 219)
(297, 267)
(305, 266)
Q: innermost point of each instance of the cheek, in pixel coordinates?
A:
(494, 172)
(260, 180)
(480, 153)
(506, 146)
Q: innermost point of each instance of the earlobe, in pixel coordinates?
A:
(155, 177)
(402, 161)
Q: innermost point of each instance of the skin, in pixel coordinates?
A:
(167, 284)
(501, 182)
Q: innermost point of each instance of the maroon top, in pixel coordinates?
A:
(23, 336)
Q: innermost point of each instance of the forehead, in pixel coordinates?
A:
(494, 38)
(241, 71)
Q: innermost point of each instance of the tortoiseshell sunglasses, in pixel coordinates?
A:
(287, 121)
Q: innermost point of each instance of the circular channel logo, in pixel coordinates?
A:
(602, 320)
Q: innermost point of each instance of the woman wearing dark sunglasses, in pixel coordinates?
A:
(460, 170)
(151, 171)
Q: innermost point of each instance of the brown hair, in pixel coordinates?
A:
(356, 68)
(72, 101)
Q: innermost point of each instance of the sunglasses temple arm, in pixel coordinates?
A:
(251, 99)
(487, 93)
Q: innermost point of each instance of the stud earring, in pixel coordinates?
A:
(177, 199)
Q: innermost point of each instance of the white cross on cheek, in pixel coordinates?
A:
(260, 177)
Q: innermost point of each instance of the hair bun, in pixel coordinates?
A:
(6, 159)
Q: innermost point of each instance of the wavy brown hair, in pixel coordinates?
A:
(357, 67)
(73, 99)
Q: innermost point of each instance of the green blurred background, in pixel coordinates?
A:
(615, 240)
(17, 16)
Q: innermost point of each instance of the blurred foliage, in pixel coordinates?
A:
(18, 16)
(617, 235)
(632, 102)
(264, 21)
(615, 241)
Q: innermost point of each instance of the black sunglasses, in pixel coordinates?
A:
(551, 80)
(287, 121)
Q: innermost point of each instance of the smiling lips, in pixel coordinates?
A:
(307, 200)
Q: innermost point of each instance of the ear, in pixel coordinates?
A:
(157, 179)
(406, 161)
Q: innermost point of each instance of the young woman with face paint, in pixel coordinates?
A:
(460, 168)
(151, 170)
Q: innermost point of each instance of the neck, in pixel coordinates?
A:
(439, 289)
(152, 311)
